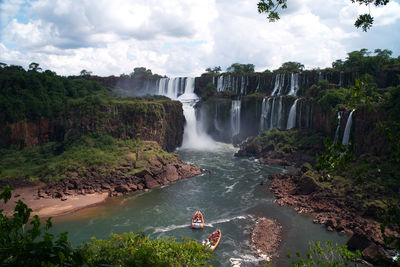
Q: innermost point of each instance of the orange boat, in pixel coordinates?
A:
(197, 220)
(213, 240)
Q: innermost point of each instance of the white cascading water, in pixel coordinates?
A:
(271, 121)
(346, 135)
(265, 110)
(193, 137)
(235, 117)
(294, 83)
(280, 111)
(339, 117)
(291, 123)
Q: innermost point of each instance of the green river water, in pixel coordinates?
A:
(231, 198)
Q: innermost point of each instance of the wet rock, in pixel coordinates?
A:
(122, 189)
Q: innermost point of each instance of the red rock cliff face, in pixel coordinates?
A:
(162, 122)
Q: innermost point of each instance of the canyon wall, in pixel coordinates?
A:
(161, 121)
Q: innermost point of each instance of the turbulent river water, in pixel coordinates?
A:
(231, 198)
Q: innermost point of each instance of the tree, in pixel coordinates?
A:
(34, 66)
(291, 66)
(364, 21)
(214, 70)
(238, 68)
(85, 73)
(141, 72)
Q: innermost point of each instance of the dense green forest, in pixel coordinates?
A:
(33, 94)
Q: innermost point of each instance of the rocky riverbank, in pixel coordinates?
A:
(336, 213)
(141, 170)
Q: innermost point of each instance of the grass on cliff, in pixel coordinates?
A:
(55, 161)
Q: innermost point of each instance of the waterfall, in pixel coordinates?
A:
(346, 135)
(294, 83)
(341, 78)
(276, 85)
(265, 110)
(319, 76)
(235, 117)
(339, 117)
(280, 111)
(291, 123)
(220, 83)
(271, 121)
(182, 89)
(173, 87)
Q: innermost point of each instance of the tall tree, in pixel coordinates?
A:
(365, 21)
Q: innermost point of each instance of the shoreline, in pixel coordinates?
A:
(329, 210)
(50, 207)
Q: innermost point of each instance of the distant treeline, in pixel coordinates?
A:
(33, 94)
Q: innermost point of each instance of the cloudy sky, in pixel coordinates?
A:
(183, 37)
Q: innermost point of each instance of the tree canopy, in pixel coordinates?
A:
(238, 68)
(291, 66)
(365, 21)
(364, 62)
(215, 70)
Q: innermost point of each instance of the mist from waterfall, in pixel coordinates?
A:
(346, 135)
(291, 123)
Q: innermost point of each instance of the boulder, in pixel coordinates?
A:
(170, 173)
(122, 188)
(359, 242)
(306, 186)
(150, 182)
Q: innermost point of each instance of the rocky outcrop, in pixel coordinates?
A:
(341, 214)
(161, 121)
(266, 237)
(120, 181)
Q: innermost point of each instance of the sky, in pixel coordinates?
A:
(181, 38)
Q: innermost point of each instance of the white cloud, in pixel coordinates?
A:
(183, 37)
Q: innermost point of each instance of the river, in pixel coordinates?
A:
(231, 198)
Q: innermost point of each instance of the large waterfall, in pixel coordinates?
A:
(182, 89)
(279, 83)
(346, 135)
(235, 117)
(291, 123)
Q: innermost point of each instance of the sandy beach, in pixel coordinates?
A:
(50, 207)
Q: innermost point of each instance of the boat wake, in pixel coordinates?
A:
(170, 228)
(220, 221)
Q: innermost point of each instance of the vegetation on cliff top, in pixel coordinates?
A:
(32, 94)
(55, 161)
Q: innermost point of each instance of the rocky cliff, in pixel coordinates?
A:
(161, 121)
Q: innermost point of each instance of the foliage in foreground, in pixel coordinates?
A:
(24, 242)
(131, 249)
(31, 245)
(327, 254)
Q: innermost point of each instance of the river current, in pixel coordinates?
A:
(230, 197)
